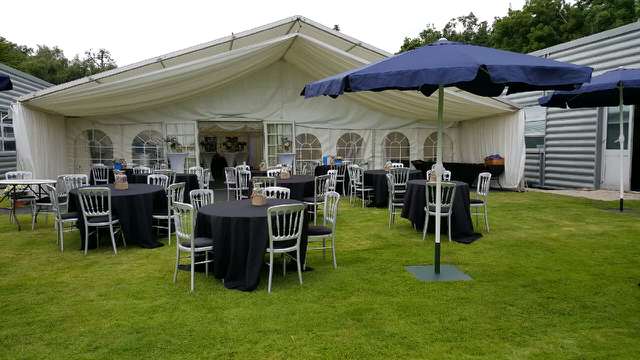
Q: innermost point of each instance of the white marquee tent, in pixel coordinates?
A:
(253, 80)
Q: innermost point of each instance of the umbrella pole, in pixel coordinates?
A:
(438, 170)
(621, 141)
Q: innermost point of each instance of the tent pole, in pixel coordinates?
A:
(621, 141)
(438, 170)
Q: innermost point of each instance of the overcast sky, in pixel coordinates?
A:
(135, 30)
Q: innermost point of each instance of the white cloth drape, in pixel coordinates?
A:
(40, 141)
(502, 135)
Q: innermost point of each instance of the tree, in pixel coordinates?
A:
(50, 63)
(540, 24)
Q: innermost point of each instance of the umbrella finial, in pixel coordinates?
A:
(443, 39)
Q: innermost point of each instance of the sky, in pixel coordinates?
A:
(136, 30)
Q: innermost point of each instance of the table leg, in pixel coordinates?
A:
(13, 207)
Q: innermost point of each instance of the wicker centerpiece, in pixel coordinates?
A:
(120, 182)
(257, 196)
(493, 160)
(387, 166)
(285, 173)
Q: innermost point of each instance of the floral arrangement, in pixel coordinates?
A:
(231, 144)
(173, 143)
(286, 143)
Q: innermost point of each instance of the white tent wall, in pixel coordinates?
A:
(40, 139)
(496, 135)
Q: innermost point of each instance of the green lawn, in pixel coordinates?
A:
(557, 277)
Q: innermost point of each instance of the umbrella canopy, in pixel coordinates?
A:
(5, 83)
(476, 69)
(603, 90)
(614, 88)
(479, 70)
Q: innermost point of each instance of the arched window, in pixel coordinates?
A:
(93, 146)
(349, 147)
(147, 148)
(396, 148)
(308, 147)
(431, 147)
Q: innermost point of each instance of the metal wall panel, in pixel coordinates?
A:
(572, 154)
(22, 84)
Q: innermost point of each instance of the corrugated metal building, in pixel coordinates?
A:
(22, 84)
(577, 148)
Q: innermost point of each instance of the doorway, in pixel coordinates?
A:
(635, 153)
(230, 143)
(611, 148)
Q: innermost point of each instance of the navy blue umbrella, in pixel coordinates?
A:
(5, 83)
(476, 69)
(614, 88)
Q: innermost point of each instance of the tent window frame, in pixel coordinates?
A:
(396, 147)
(308, 147)
(350, 146)
(99, 145)
(430, 147)
(147, 142)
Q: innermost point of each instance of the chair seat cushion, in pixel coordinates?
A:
(69, 215)
(161, 212)
(199, 242)
(476, 201)
(317, 230)
(100, 219)
(443, 209)
(311, 199)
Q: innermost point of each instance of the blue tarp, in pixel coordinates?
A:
(5, 83)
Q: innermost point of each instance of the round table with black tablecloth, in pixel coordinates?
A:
(190, 182)
(134, 208)
(127, 171)
(415, 201)
(377, 179)
(240, 235)
(301, 186)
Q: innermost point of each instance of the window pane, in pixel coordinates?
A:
(532, 142)
(613, 127)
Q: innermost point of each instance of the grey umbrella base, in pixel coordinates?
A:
(447, 273)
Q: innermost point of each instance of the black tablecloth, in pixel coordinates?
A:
(240, 238)
(462, 226)
(323, 169)
(258, 173)
(134, 208)
(301, 186)
(465, 172)
(377, 179)
(190, 180)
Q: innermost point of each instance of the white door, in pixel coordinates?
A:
(611, 149)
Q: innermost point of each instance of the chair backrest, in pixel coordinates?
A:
(357, 175)
(342, 169)
(333, 180)
(141, 170)
(175, 193)
(484, 182)
(158, 179)
(185, 220)
(320, 184)
(201, 197)
(350, 168)
(230, 176)
(168, 172)
(95, 201)
(52, 193)
(400, 175)
(277, 192)
(74, 181)
(391, 188)
(244, 179)
(447, 191)
(397, 165)
(446, 175)
(100, 172)
(285, 223)
(205, 179)
(18, 175)
(330, 211)
(264, 181)
(244, 167)
(196, 170)
(274, 172)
